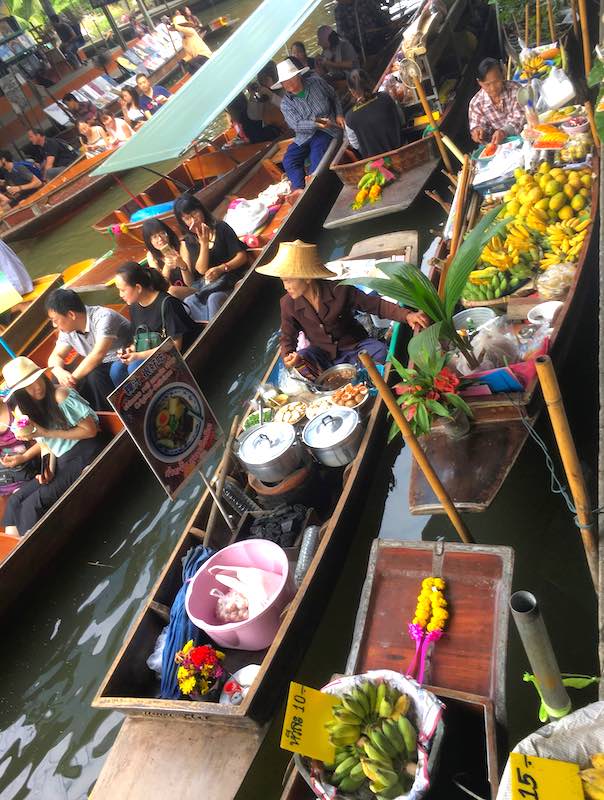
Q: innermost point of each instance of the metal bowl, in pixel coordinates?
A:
(336, 377)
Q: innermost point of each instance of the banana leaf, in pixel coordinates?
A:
(424, 349)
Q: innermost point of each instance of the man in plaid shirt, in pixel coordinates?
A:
(494, 112)
(310, 107)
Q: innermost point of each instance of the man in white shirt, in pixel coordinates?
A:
(95, 333)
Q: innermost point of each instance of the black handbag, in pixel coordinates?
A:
(144, 339)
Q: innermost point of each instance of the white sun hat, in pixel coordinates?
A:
(286, 70)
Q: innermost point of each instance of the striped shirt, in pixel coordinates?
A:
(319, 100)
(506, 116)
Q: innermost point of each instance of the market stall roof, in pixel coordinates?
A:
(171, 130)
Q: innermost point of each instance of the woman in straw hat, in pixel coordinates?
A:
(324, 312)
(63, 425)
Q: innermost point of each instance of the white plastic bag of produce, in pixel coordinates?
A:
(555, 282)
(574, 738)
(425, 714)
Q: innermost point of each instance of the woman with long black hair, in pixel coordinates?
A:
(66, 430)
(163, 254)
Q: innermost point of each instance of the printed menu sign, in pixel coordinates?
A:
(165, 412)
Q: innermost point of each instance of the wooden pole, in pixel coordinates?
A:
(550, 19)
(419, 455)
(573, 11)
(585, 36)
(428, 112)
(570, 460)
(526, 25)
(222, 473)
(453, 148)
(592, 122)
(457, 223)
(537, 23)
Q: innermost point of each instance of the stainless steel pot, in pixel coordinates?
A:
(334, 436)
(270, 451)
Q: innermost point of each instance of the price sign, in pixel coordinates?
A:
(544, 779)
(304, 729)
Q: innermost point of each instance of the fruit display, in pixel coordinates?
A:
(375, 742)
(375, 177)
(538, 64)
(593, 778)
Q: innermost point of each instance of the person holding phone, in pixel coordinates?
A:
(163, 254)
(65, 428)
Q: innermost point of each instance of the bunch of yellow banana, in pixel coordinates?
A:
(519, 237)
(593, 779)
(532, 65)
(500, 259)
(536, 219)
(566, 238)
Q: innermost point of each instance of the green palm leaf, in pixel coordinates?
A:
(386, 288)
(424, 348)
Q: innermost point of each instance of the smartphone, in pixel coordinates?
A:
(45, 463)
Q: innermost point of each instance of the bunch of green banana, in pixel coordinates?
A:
(371, 178)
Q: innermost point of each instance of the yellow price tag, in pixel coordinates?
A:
(304, 729)
(544, 779)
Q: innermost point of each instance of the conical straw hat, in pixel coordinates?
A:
(296, 260)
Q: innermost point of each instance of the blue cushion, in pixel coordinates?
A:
(151, 211)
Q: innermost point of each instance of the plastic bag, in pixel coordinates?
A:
(257, 586)
(246, 216)
(230, 606)
(155, 659)
(495, 345)
(555, 281)
(425, 714)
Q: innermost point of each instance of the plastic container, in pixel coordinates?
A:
(473, 318)
(557, 89)
(258, 631)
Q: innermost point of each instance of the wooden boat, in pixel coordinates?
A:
(71, 512)
(240, 729)
(499, 428)
(466, 668)
(416, 161)
(59, 198)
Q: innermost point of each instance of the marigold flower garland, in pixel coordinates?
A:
(199, 669)
(429, 622)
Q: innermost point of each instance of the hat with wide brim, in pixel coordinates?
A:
(286, 70)
(297, 260)
(19, 373)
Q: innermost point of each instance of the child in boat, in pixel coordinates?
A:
(212, 250)
(324, 312)
(152, 310)
(374, 123)
(66, 432)
(163, 254)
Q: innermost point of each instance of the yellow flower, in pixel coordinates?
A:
(439, 583)
(188, 646)
(182, 673)
(187, 686)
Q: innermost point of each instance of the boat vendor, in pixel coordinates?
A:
(66, 431)
(80, 109)
(19, 181)
(310, 108)
(150, 98)
(324, 312)
(338, 57)
(374, 123)
(53, 155)
(494, 111)
(95, 333)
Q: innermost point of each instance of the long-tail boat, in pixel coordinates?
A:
(415, 161)
(501, 422)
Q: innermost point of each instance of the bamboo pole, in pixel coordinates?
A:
(428, 112)
(573, 11)
(592, 122)
(222, 473)
(550, 19)
(457, 223)
(526, 25)
(537, 23)
(419, 455)
(570, 460)
(453, 148)
(585, 36)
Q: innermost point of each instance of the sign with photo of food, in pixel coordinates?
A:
(165, 412)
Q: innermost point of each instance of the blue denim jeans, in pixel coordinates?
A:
(118, 372)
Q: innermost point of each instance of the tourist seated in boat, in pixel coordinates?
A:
(52, 154)
(192, 43)
(66, 430)
(19, 181)
(324, 311)
(298, 51)
(374, 123)
(96, 334)
(80, 109)
(94, 139)
(163, 254)
(152, 311)
(338, 57)
(310, 108)
(150, 98)
(366, 16)
(494, 111)
(212, 249)
(129, 104)
(117, 129)
(19, 461)
(248, 129)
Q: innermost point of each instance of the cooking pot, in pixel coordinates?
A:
(270, 451)
(334, 436)
(336, 377)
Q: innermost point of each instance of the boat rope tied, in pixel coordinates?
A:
(568, 679)
(180, 628)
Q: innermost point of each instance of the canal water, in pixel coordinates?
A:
(66, 631)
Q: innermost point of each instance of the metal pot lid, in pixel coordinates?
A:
(267, 442)
(330, 427)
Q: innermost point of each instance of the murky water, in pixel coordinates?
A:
(66, 631)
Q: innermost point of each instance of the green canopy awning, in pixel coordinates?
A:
(171, 130)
